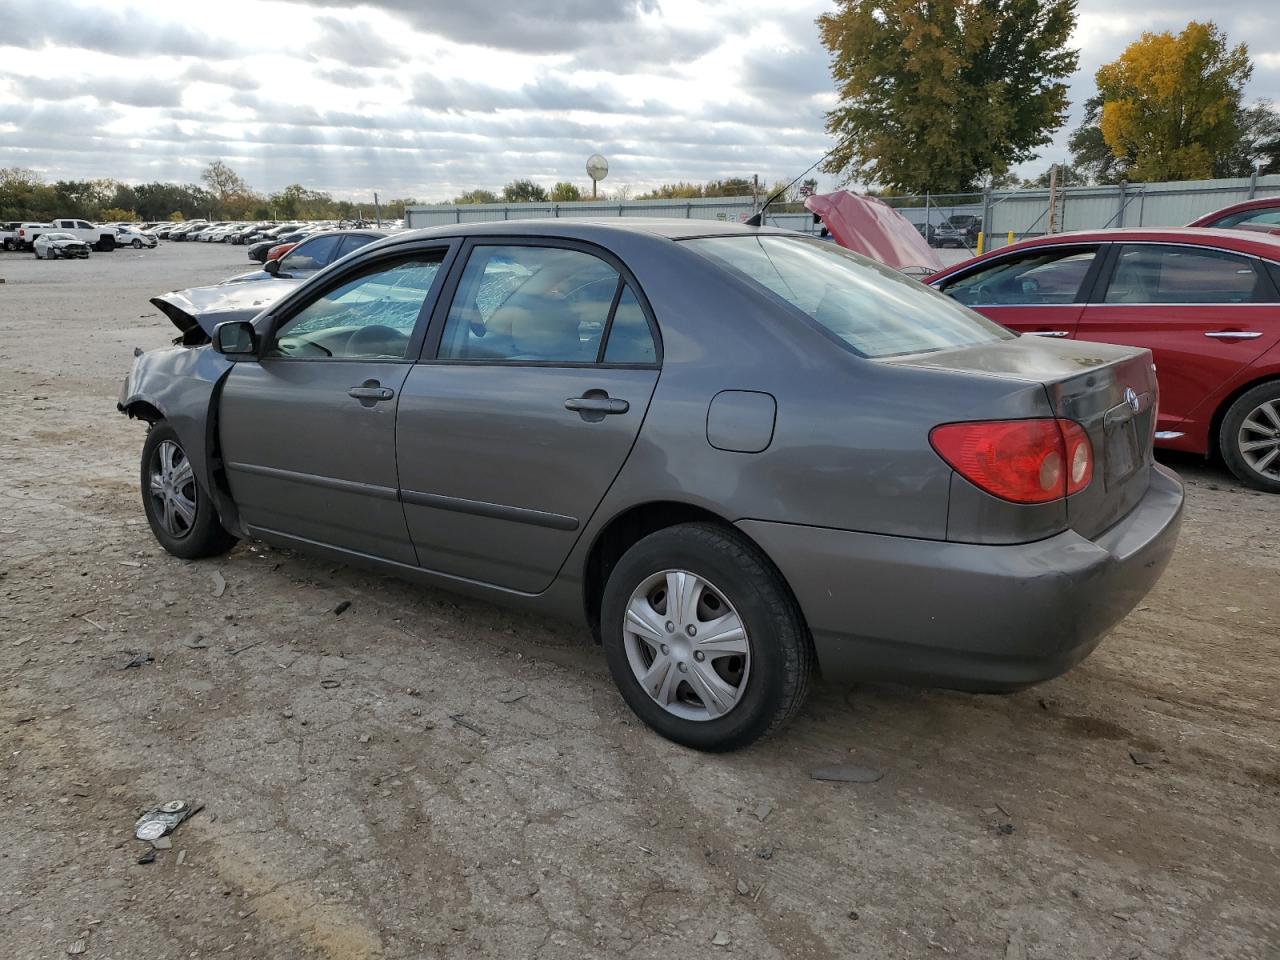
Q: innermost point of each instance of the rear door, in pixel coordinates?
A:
(1203, 313)
(1040, 292)
(308, 431)
(523, 410)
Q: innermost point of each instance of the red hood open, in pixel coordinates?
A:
(874, 229)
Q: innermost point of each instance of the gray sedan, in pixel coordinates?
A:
(737, 456)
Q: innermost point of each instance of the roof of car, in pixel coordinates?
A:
(594, 228)
(1258, 203)
(1243, 241)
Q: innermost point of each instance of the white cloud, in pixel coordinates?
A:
(431, 97)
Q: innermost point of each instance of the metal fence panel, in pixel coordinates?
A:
(1023, 212)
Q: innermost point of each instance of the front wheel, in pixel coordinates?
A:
(181, 514)
(137, 244)
(1250, 437)
(704, 639)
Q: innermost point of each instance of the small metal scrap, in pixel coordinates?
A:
(137, 659)
(158, 821)
(219, 584)
(77, 946)
(847, 773)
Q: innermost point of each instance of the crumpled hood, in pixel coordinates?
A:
(874, 229)
(203, 308)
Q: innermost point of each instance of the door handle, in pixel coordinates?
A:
(1048, 333)
(601, 405)
(370, 392)
(1233, 334)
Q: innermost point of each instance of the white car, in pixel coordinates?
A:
(129, 237)
(54, 246)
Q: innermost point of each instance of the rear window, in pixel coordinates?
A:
(874, 310)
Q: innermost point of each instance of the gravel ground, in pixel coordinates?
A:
(424, 776)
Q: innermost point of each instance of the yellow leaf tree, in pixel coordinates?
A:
(1171, 104)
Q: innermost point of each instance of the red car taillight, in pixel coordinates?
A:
(1024, 461)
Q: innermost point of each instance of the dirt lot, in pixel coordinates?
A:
(423, 776)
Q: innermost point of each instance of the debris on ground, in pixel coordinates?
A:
(510, 697)
(162, 843)
(847, 773)
(1004, 828)
(148, 857)
(181, 858)
(462, 721)
(763, 810)
(136, 659)
(1141, 759)
(219, 584)
(342, 608)
(721, 939)
(743, 887)
(163, 819)
(331, 684)
(77, 946)
(765, 853)
(853, 914)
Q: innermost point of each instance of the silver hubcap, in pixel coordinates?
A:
(173, 488)
(687, 646)
(1259, 439)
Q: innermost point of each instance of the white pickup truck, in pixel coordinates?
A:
(100, 238)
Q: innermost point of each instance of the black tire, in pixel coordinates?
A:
(204, 536)
(137, 244)
(781, 652)
(1230, 439)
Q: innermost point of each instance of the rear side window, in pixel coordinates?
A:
(311, 255)
(352, 242)
(873, 310)
(1176, 274)
(543, 304)
(1262, 218)
(1045, 277)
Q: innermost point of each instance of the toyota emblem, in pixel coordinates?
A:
(1131, 398)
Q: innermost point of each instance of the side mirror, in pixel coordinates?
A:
(236, 338)
(272, 267)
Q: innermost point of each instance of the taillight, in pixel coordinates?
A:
(1024, 461)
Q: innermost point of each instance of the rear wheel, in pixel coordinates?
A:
(703, 639)
(181, 515)
(1250, 437)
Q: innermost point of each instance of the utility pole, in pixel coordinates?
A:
(755, 191)
(376, 208)
(1053, 198)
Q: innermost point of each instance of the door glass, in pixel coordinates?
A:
(1261, 218)
(630, 339)
(370, 317)
(353, 242)
(310, 256)
(1051, 276)
(529, 304)
(1156, 274)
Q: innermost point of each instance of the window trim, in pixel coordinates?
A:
(1087, 285)
(1264, 285)
(308, 293)
(430, 352)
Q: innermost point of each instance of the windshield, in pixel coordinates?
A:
(875, 311)
(58, 236)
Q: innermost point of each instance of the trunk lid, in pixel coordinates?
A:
(1109, 390)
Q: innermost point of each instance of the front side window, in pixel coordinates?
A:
(1046, 277)
(530, 303)
(1176, 274)
(1260, 218)
(352, 242)
(874, 310)
(369, 317)
(310, 256)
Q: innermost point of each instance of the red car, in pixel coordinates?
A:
(1206, 303)
(1261, 214)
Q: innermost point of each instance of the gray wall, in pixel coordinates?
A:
(1025, 212)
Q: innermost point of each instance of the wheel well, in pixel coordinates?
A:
(141, 410)
(1215, 426)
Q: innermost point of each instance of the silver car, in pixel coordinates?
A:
(737, 456)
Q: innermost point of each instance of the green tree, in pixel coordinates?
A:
(523, 191)
(1172, 104)
(565, 192)
(478, 196)
(943, 94)
(673, 191)
(1258, 146)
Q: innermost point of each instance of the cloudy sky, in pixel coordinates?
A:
(427, 98)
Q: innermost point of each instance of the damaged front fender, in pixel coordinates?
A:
(181, 385)
(196, 311)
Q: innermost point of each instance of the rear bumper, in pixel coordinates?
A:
(969, 616)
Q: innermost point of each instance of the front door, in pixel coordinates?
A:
(1038, 292)
(512, 430)
(1204, 315)
(308, 431)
